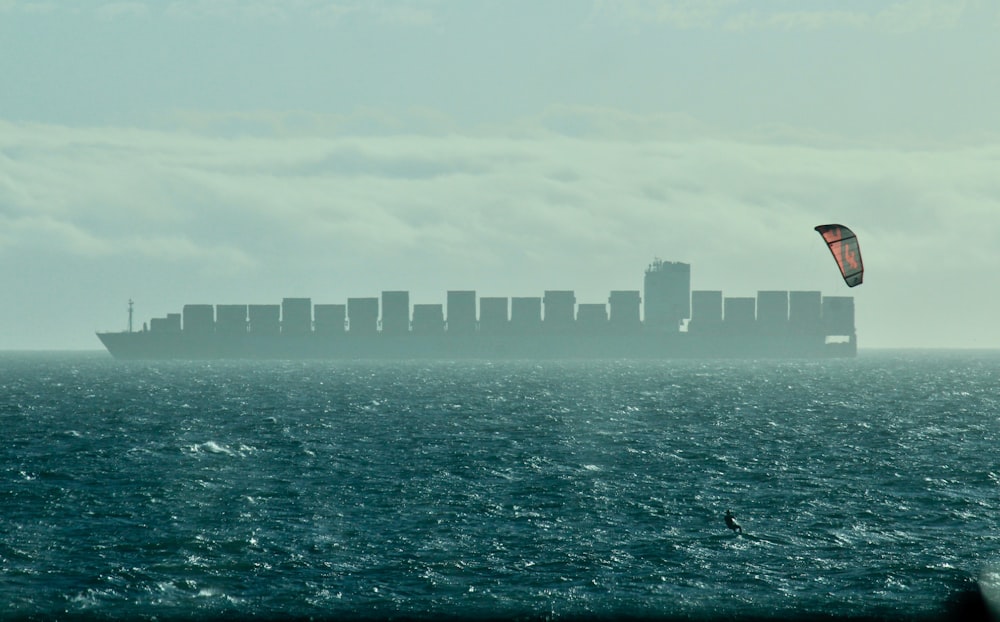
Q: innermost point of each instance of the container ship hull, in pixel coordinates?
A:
(148, 345)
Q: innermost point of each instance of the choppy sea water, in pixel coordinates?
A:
(866, 487)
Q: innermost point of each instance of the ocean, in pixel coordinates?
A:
(543, 490)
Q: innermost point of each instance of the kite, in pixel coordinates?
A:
(844, 246)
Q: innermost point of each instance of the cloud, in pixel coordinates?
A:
(899, 16)
(411, 13)
(405, 13)
(884, 16)
(386, 191)
(45, 234)
(32, 7)
(118, 10)
(683, 14)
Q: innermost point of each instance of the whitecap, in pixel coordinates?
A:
(213, 448)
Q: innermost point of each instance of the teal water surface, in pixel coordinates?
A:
(142, 490)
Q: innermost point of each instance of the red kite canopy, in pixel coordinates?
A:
(844, 246)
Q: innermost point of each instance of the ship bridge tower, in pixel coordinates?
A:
(666, 295)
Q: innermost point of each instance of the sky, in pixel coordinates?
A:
(225, 151)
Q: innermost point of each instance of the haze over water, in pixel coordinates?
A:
(347, 489)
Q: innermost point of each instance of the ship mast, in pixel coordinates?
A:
(130, 303)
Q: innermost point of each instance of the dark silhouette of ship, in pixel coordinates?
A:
(675, 322)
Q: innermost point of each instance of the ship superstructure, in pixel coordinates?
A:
(675, 322)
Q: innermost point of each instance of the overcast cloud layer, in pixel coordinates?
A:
(178, 152)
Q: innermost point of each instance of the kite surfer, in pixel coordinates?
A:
(731, 522)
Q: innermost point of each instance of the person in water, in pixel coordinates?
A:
(731, 522)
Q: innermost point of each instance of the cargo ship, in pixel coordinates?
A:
(665, 320)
